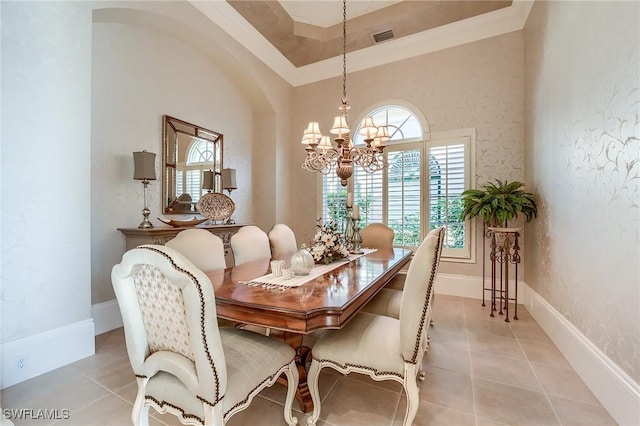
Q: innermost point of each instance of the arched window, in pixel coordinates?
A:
(403, 125)
(199, 157)
(419, 190)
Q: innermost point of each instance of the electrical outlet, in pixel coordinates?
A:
(22, 363)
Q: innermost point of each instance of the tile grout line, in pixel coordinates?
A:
(544, 391)
(466, 334)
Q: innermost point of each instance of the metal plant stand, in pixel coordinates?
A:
(505, 251)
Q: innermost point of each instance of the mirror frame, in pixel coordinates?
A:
(171, 128)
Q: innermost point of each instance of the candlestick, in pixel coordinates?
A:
(356, 239)
(349, 199)
(356, 212)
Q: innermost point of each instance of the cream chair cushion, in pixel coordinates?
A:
(249, 244)
(184, 364)
(382, 347)
(204, 249)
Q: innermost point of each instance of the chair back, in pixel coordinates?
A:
(249, 244)
(377, 235)
(282, 241)
(416, 296)
(169, 315)
(201, 247)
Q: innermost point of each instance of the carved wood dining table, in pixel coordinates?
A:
(325, 302)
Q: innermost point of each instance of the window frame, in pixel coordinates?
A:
(440, 139)
(431, 139)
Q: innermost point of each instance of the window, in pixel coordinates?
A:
(421, 189)
(189, 176)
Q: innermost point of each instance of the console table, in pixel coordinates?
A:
(160, 235)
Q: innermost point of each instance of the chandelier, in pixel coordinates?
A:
(323, 156)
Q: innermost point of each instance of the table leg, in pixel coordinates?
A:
(302, 353)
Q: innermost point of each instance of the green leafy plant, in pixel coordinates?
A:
(499, 202)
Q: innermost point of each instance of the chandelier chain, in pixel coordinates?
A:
(323, 157)
(344, 51)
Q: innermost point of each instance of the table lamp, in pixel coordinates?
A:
(229, 180)
(208, 181)
(144, 165)
(229, 183)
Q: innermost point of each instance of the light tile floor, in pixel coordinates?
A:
(481, 371)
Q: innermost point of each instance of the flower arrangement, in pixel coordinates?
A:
(328, 244)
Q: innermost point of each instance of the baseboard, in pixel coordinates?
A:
(618, 393)
(46, 351)
(459, 285)
(106, 316)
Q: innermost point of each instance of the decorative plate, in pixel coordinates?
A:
(183, 223)
(216, 206)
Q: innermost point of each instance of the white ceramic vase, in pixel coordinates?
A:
(302, 262)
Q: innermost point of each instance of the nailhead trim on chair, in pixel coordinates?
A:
(270, 379)
(434, 268)
(361, 367)
(162, 405)
(202, 333)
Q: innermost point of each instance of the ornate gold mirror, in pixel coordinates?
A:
(192, 157)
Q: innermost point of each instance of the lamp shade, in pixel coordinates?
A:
(207, 179)
(229, 179)
(144, 165)
(340, 126)
(368, 128)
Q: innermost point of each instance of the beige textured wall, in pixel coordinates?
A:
(582, 154)
(155, 58)
(476, 85)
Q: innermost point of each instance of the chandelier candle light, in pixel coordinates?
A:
(322, 156)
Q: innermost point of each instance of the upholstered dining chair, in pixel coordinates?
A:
(201, 247)
(377, 235)
(184, 364)
(205, 250)
(382, 347)
(249, 244)
(387, 301)
(282, 241)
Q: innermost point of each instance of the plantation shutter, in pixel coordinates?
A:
(403, 195)
(448, 178)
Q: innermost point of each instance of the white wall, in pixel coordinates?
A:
(139, 75)
(46, 104)
(583, 106)
(582, 152)
(161, 58)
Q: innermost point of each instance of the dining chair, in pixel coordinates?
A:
(183, 362)
(201, 247)
(387, 301)
(283, 242)
(382, 347)
(377, 235)
(249, 244)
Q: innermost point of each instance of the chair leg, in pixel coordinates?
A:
(293, 378)
(412, 391)
(140, 413)
(213, 415)
(312, 381)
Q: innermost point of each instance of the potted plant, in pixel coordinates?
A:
(499, 202)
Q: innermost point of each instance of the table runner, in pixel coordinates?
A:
(270, 281)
